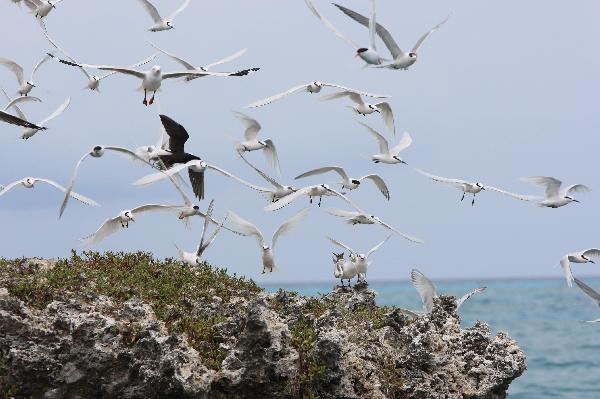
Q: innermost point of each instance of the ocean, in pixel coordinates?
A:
(543, 315)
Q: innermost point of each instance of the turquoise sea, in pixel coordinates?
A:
(543, 316)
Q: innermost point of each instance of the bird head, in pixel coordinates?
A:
(196, 208)
(156, 69)
(129, 215)
(337, 257)
(397, 158)
(412, 55)
(362, 257)
(29, 181)
(203, 164)
(97, 151)
(325, 186)
(30, 84)
(354, 181)
(169, 24)
(95, 78)
(374, 108)
(360, 51)
(479, 185)
(265, 247)
(51, 5)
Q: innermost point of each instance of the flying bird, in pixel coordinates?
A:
(554, 197)
(360, 260)
(30, 132)
(465, 186)
(591, 293)
(364, 108)
(267, 251)
(319, 190)
(273, 194)
(30, 182)
(401, 60)
(41, 8)
(367, 54)
(195, 258)
(204, 68)
(427, 291)
(577, 257)
(359, 216)
(96, 152)
(161, 24)
(312, 87)
(386, 154)
(93, 81)
(25, 86)
(347, 182)
(252, 143)
(21, 119)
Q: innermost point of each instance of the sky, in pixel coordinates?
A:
(503, 90)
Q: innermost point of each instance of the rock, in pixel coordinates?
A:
(267, 346)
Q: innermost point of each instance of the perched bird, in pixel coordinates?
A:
(25, 86)
(347, 182)
(30, 182)
(554, 197)
(161, 24)
(267, 253)
(97, 151)
(427, 291)
(252, 143)
(364, 108)
(41, 8)
(367, 54)
(577, 257)
(343, 269)
(360, 260)
(312, 87)
(273, 194)
(195, 258)
(204, 68)
(591, 293)
(93, 81)
(319, 190)
(152, 79)
(21, 119)
(358, 216)
(30, 132)
(401, 59)
(386, 154)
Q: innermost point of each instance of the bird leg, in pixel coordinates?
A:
(320, 199)
(473, 202)
(463, 197)
(310, 196)
(145, 102)
(152, 99)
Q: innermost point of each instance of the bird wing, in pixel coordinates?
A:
(63, 206)
(181, 61)
(73, 194)
(589, 291)
(12, 185)
(288, 199)
(468, 295)
(337, 169)
(273, 98)
(376, 247)
(39, 64)
(177, 134)
(383, 33)
(289, 225)
(270, 152)
(14, 120)
(405, 236)
(17, 109)
(73, 60)
(213, 236)
(14, 68)
(552, 184)
(154, 177)
(343, 214)
(123, 70)
(58, 111)
(361, 93)
(199, 72)
(137, 64)
(247, 228)
(383, 143)
(404, 143)
(197, 180)
(425, 288)
(22, 99)
(455, 182)
(268, 178)
(127, 153)
(209, 212)
(182, 7)
(227, 59)
(577, 188)
(329, 25)
(415, 48)
(33, 4)
(521, 197)
(566, 266)
(252, 126)
(150, 9)
(110, 226)
(388, 116)
(342, 245)
(379, 182)
(373, 27)
(592, 252)
(355, 97)
(155, 208)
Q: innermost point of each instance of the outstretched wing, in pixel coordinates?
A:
(566, 266)
(181, 61)
(337, 169)
(383, 143)
(288, 225)
(329, 25)
(415, 49)
(589, 291)
(227, 59)
(252, 126)
(14, 120)
(270, 152)
(177, 134)
(150, 9)
(425, 288)
(58, 111)
(388, 116)
(14, 68)
(341, 245)
(376, 247)
(247, 228)
(182, 7)
(551, 184)
(76, 196)
(468, 295)
(110, 226)
(577, 188)
(378, 181)
(273, 98)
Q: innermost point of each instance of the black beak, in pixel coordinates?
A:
(576, 200)
(591, 261)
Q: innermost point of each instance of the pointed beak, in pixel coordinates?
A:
(591, 261)
(378, 111)
(576, 200)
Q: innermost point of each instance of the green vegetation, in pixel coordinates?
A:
(170, 287)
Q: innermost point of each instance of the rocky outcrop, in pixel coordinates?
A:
(281, 345)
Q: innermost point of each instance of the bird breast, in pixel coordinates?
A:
(370, 57)
(364, 109)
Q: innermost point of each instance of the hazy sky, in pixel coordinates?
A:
(503, 90)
